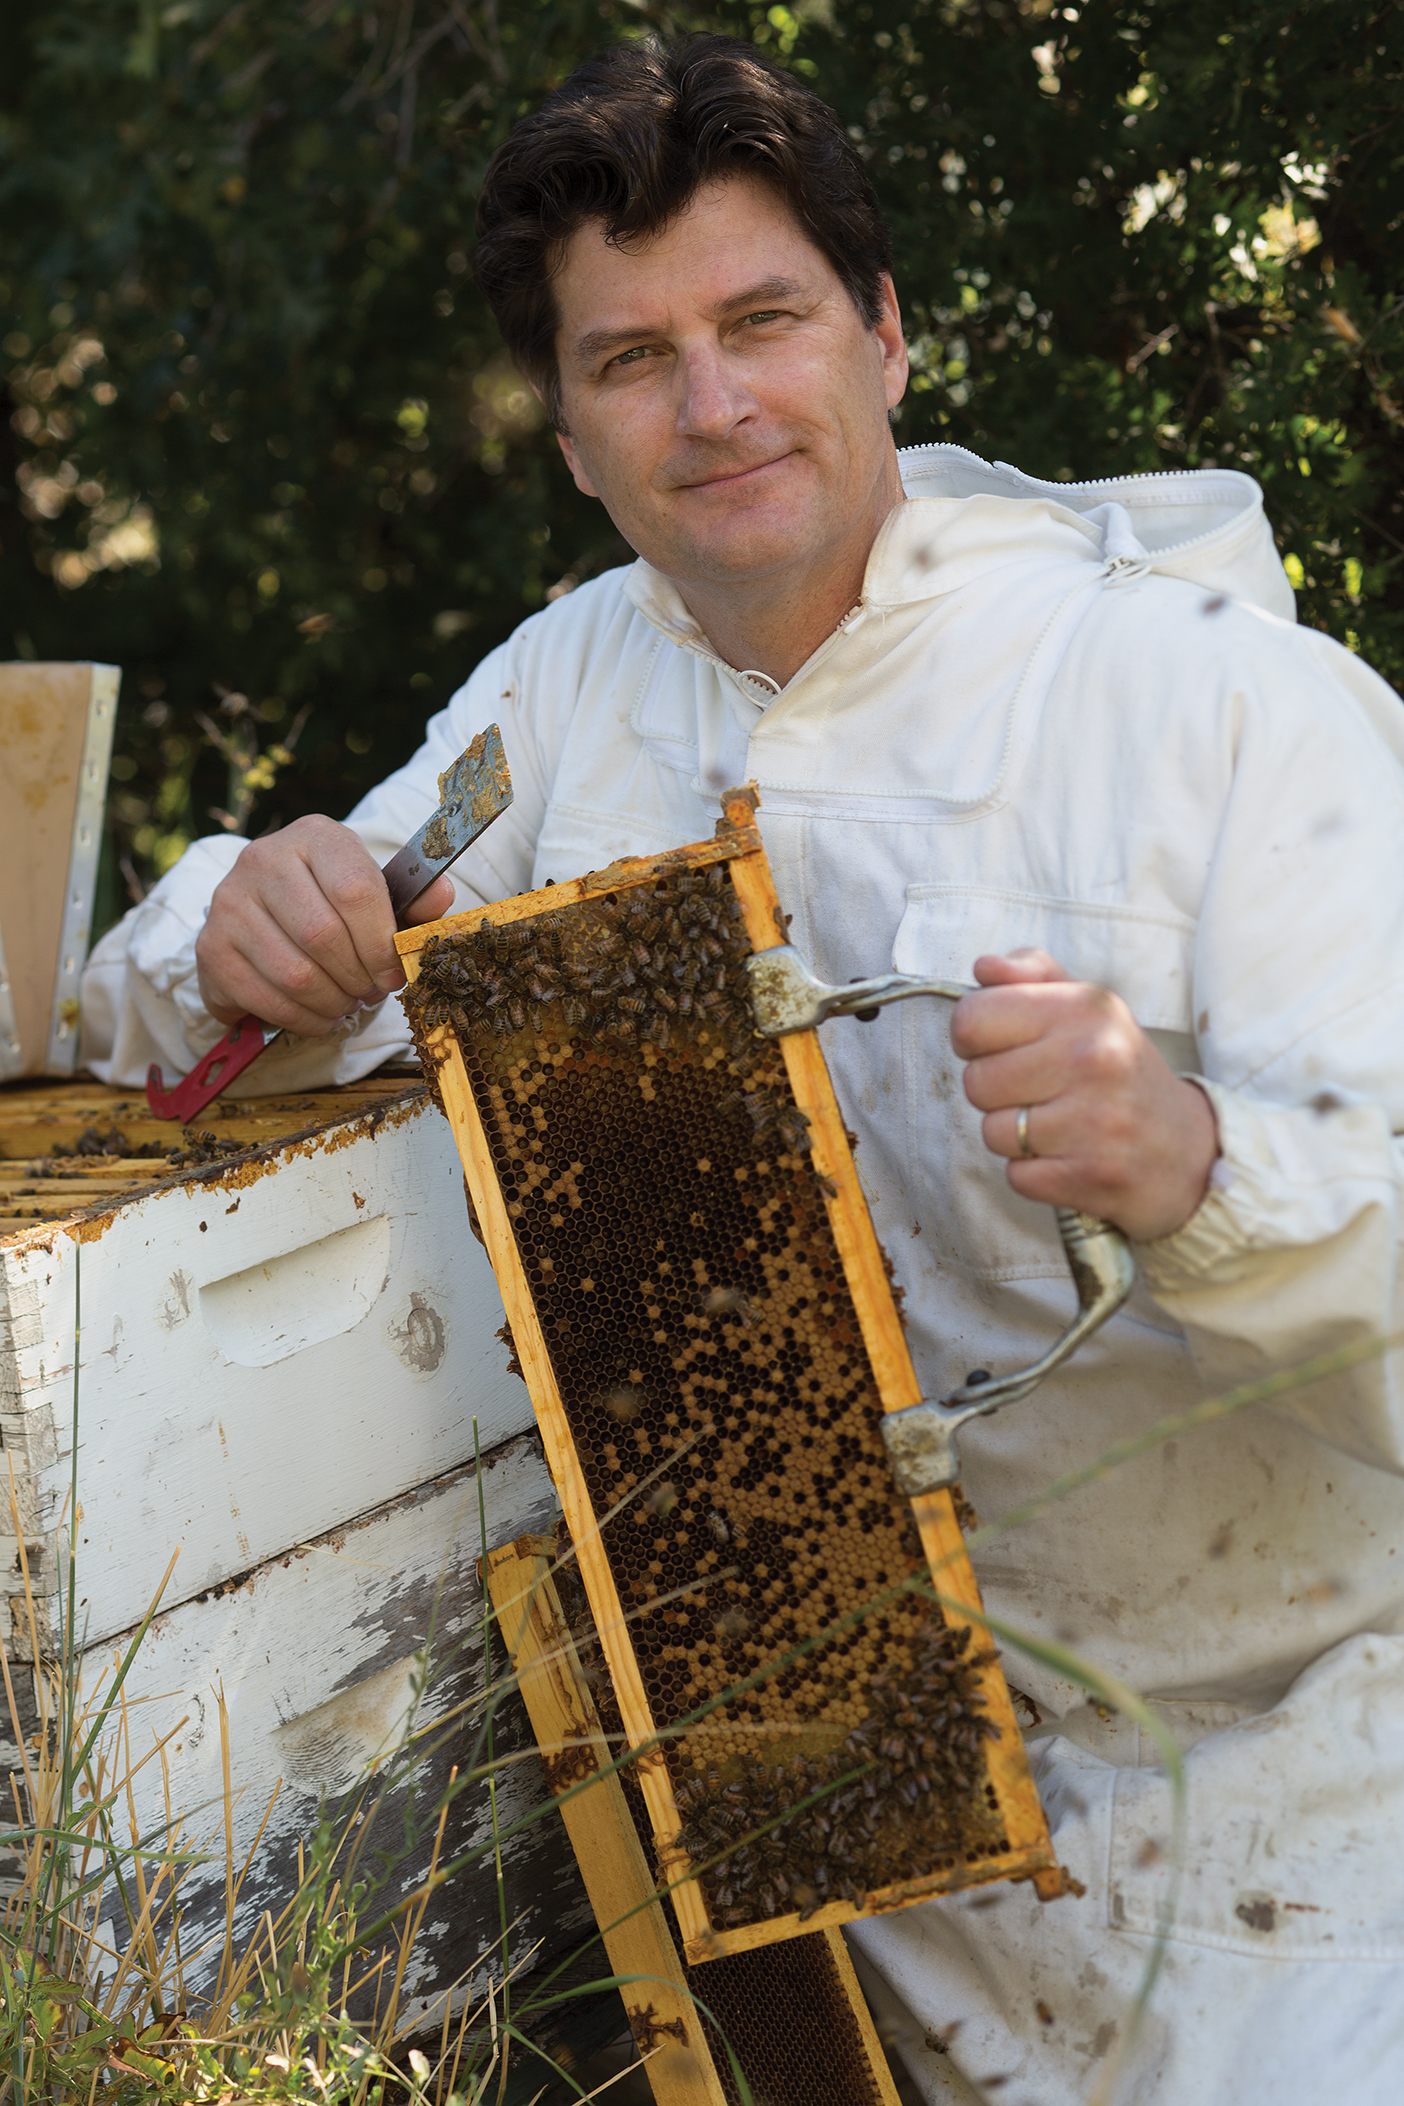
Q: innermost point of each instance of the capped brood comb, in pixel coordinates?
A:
(702, 1314)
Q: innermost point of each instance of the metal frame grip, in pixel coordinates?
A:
(787, 996)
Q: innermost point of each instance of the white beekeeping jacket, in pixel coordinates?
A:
(1081, 717)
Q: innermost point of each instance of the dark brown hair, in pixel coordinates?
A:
(628, 139)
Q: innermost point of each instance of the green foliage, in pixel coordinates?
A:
(260, 437)
(1143, 238)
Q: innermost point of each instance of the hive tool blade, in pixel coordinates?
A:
(472, 793)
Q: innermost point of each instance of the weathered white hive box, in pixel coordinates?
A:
(282, 1358)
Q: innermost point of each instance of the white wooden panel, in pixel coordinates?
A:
(237, 1429)
(313, 1652)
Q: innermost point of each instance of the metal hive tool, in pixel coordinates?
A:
(703, 1316)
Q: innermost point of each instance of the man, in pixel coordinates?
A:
(1067, 737)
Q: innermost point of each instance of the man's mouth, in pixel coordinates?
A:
(735, 477)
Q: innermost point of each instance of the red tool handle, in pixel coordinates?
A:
(237, 1050)
(471, 795)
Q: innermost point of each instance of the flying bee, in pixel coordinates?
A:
(728, 1301)
(661, 1500)
(716, 1523)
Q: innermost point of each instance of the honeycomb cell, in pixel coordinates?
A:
(677, 1248)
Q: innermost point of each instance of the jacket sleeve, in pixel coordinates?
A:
(141, 996)
(1298, 1248)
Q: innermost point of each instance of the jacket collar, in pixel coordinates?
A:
(965, 519)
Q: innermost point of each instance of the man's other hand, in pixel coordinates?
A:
(1111, 1129)
(301, 932)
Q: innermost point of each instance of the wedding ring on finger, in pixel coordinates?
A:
(1021, 1131)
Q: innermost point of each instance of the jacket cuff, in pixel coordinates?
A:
(1285, 1178)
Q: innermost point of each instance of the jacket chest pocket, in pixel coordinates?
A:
(964, 1202)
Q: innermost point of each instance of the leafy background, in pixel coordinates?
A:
(260, 447)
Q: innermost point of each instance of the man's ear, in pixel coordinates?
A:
(890, 335)
(572, 461)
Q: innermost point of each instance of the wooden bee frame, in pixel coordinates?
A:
(768, 1344)
(56, 725)
(827, 2053)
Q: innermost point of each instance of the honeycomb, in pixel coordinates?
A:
(677, 1248)
(784, 2010)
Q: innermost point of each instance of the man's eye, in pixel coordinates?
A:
(628, 358)
(766, 314)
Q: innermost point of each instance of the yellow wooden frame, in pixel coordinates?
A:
(1030, 1852)
(613, 1864)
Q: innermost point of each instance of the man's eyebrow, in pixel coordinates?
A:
(765, 294)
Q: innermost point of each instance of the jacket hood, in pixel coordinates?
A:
(966, 519)
(1203, 525)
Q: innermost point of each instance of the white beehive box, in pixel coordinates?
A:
(281, 1357)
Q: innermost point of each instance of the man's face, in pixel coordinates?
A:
(722, 394)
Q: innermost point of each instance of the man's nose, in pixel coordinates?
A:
(715, 398)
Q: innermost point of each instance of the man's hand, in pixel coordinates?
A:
(1111, 1129)
(301, 931)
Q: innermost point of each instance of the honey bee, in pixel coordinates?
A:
(728, 1301)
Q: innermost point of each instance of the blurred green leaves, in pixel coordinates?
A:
(260, 437)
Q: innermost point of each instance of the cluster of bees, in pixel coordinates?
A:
(918, 1803)
(671, 951)
(668, 959)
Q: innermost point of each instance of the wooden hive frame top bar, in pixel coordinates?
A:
(1029, 1853)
